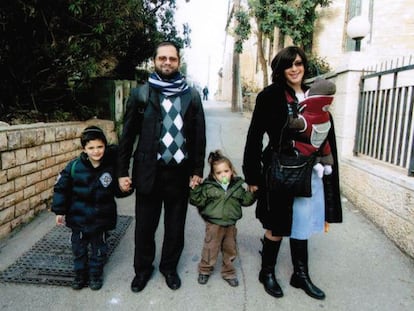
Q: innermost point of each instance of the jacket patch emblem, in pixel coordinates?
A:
(106, 179)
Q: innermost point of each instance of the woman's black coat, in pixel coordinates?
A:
(274, 210)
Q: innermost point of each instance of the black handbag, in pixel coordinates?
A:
(291, 174)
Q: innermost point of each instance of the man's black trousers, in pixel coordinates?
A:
(171, 190)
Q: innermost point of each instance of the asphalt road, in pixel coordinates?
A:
(354, 263)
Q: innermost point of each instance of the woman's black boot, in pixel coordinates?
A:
(267, 273)
(300, 277)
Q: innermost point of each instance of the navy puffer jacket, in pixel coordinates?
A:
(85, 194)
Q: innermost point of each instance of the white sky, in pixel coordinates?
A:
(207, 20)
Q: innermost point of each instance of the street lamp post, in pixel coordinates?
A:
(358, 27)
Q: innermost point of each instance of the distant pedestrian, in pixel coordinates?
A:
(84, 199)
(205, 93)
(219, 199)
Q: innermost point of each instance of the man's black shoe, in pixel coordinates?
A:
(173, 280)
(140, 281)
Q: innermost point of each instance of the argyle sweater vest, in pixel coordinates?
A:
(172, 148)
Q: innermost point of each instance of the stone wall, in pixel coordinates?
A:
(31, 157)
(384, 194)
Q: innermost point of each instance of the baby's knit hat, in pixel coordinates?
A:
(322, 87)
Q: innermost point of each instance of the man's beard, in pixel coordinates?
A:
(166, 76)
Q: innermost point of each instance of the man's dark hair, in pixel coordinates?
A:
(167, 43)
(92, 133)
(284, 60)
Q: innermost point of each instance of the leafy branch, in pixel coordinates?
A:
(242, 29)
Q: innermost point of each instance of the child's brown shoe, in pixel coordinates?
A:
(203, 278)
(232, 282)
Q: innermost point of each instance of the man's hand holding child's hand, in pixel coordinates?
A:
(60, 220)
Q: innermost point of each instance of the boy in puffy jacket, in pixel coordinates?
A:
(219, 199)
(83, 199)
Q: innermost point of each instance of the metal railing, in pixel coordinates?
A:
(385, 126)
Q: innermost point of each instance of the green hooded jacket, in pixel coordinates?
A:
(219, 206)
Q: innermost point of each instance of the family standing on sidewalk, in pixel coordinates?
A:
(168, 162)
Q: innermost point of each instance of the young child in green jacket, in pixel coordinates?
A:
(219, 200)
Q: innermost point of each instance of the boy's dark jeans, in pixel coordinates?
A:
(99, 249)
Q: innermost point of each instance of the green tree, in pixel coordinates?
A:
(47, 45)
(242, 29)
(294, 18)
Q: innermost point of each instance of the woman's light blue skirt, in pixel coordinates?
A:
(309, 213)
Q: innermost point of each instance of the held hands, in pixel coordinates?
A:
(60, 220)
(195, 181)
(252, 188)
(125, 183)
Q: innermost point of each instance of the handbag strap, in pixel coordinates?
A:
(289, 98)
(289, 101)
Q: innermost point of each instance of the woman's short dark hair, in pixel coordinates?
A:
(92, 133)
(284, 60)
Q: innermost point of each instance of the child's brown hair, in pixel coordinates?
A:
(216, 157)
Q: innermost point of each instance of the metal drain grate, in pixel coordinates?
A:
(49, 261)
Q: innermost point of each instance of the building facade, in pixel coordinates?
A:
(390, 37)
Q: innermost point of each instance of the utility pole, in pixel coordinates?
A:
(236, 102)
(208, 72)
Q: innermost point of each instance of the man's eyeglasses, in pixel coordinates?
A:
(165, 58)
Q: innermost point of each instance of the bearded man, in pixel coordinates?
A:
(167, 115)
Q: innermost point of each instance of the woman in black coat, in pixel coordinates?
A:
(281, 214)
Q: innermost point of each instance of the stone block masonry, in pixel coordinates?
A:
(31, 157)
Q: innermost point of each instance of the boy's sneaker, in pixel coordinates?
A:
(232, 282)
(203, 278)
(95, 282)
(80, 281)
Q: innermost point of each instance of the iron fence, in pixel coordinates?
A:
(385, 126)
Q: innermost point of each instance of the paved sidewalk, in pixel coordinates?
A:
(355, 264)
